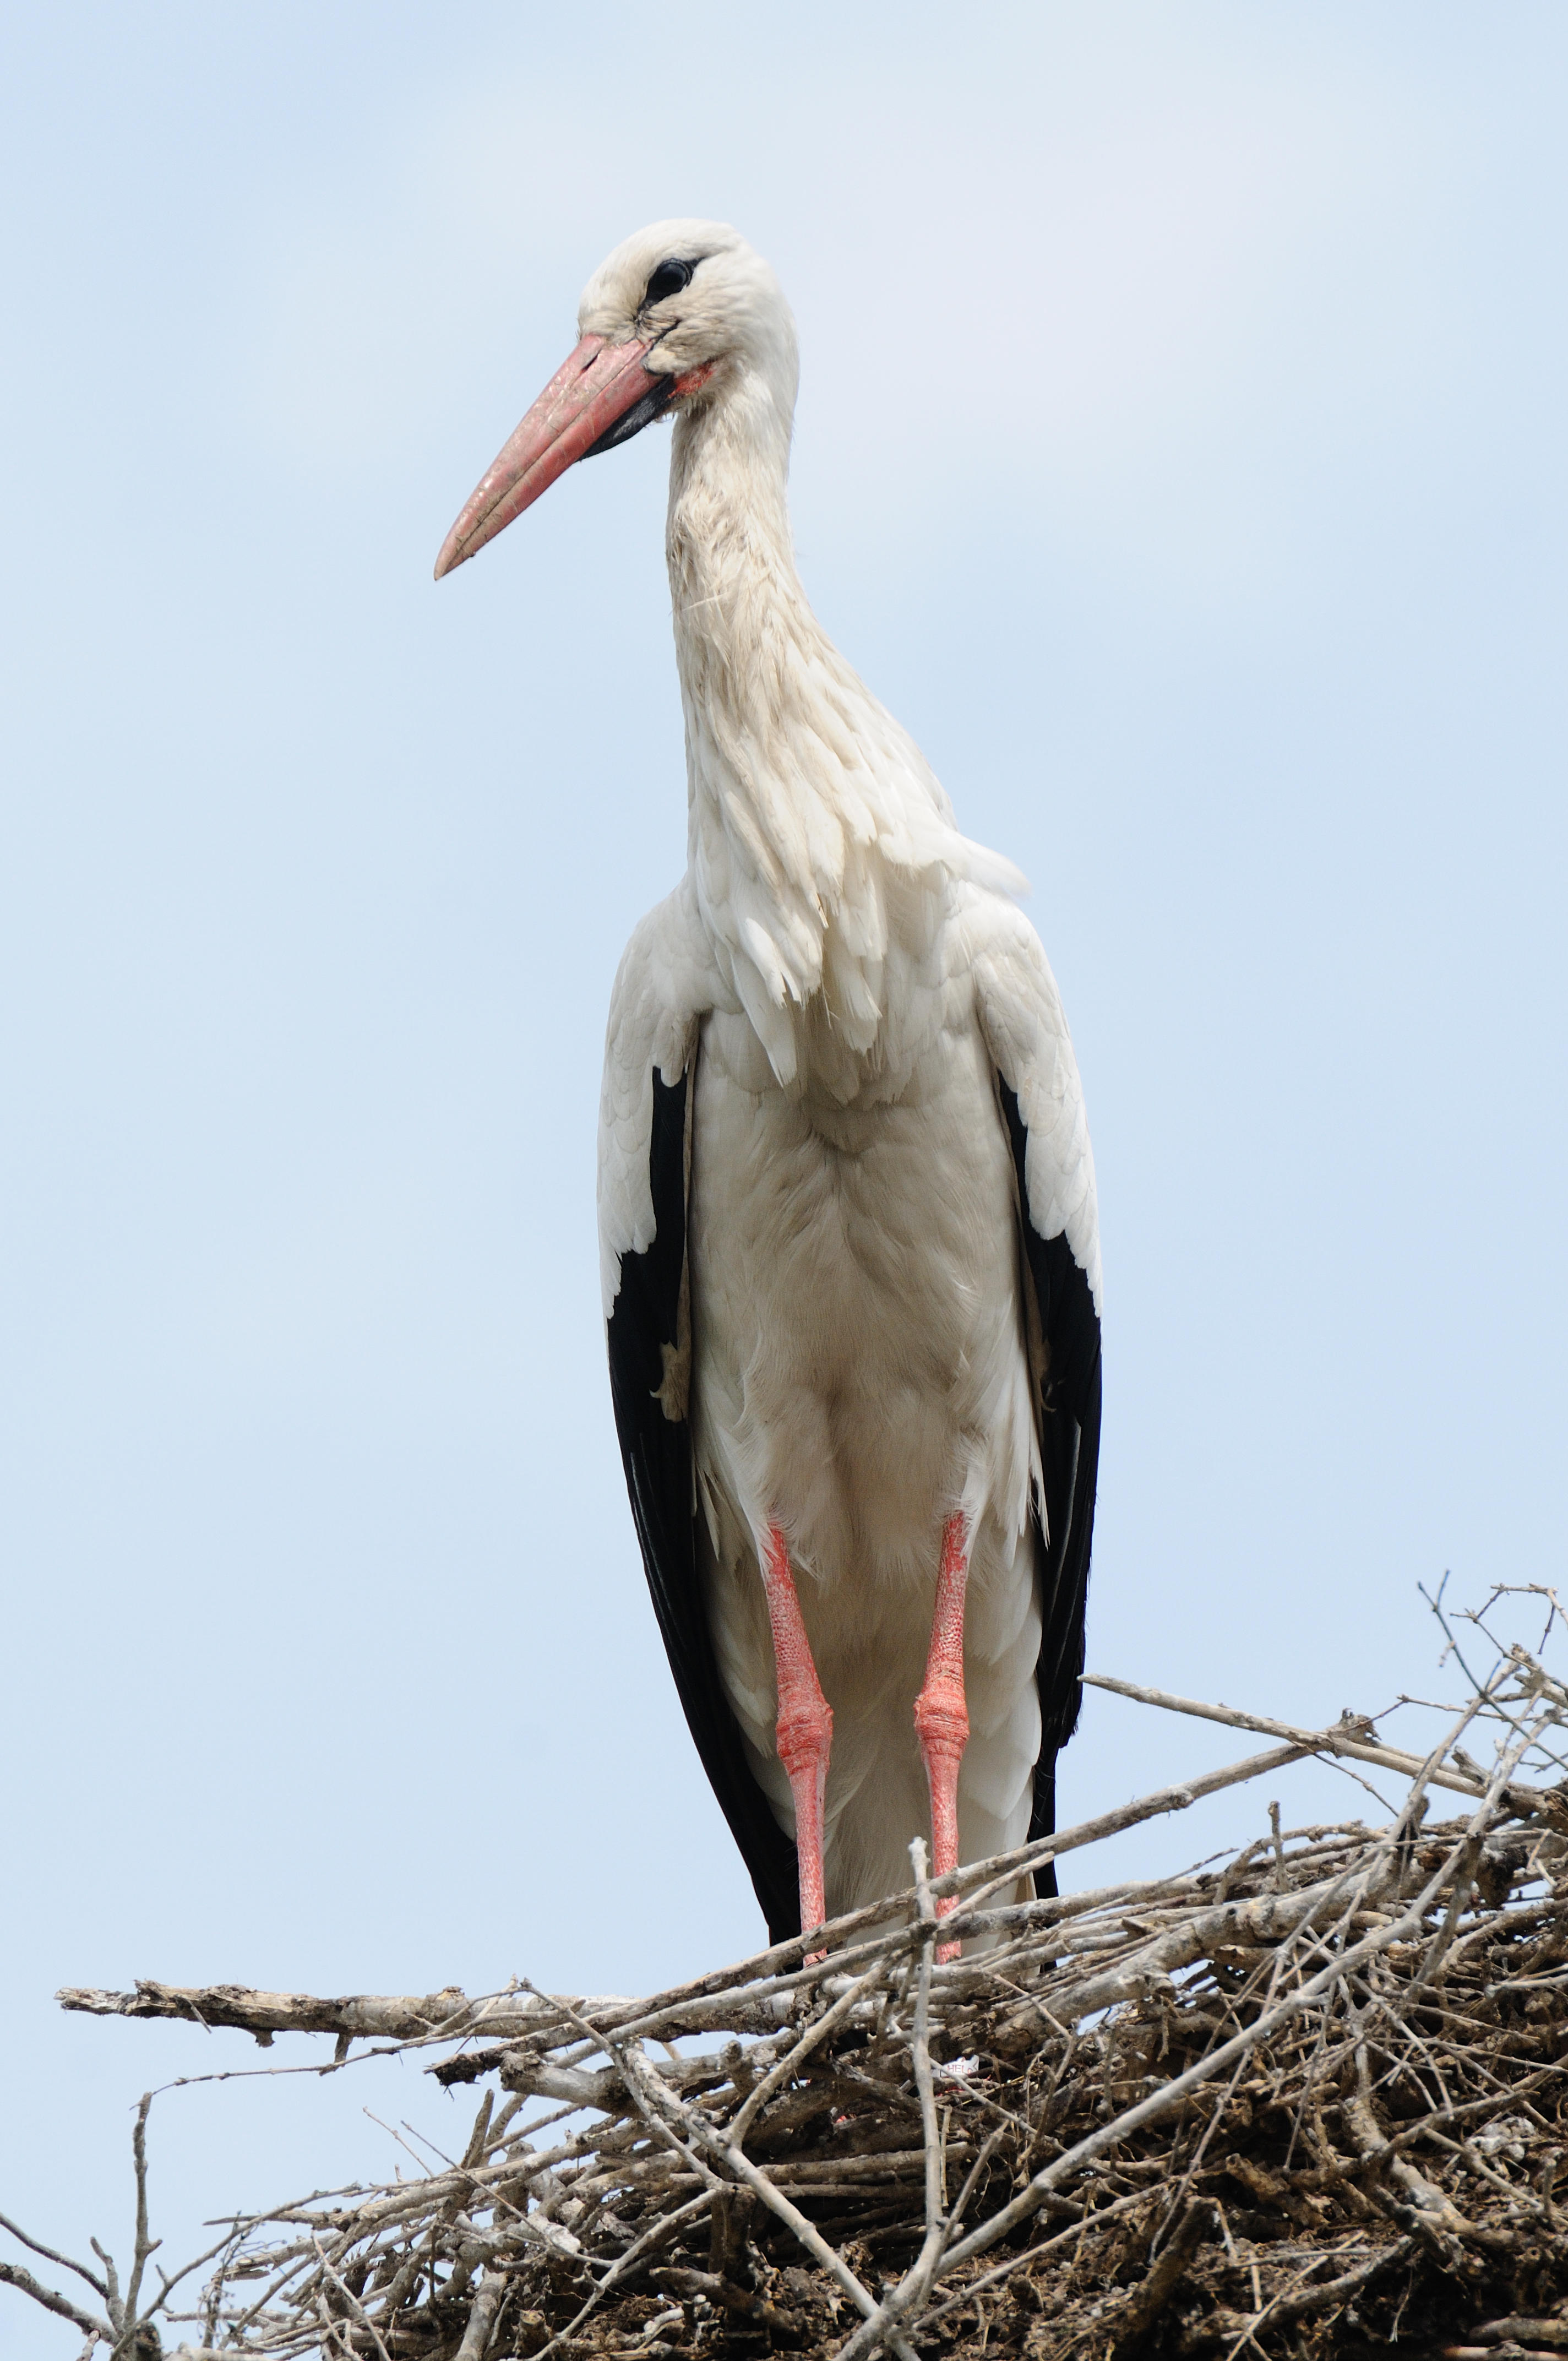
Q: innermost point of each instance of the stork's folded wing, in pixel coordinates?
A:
(1041, 1100)
(644, 1175)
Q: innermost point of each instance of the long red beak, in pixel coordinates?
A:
(588, 397)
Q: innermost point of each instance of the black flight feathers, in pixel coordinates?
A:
(657, 1451)
(1069, 1422)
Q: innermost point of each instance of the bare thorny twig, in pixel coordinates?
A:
(1242, 2105)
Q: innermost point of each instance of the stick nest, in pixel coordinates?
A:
(1309, 2104)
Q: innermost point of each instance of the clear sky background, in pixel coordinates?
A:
(1181, 457)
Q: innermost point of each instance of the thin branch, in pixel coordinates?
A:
(35, 2246)
(1341, 1738)
(13, 2275)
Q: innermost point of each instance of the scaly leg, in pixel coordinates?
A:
(941, 1716)
(804, 1732)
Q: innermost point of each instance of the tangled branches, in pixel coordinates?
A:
(1300, 2106)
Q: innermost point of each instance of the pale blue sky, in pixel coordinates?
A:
(1181, 455)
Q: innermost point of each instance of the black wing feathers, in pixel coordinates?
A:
(1069, 1456)
(657, 1453)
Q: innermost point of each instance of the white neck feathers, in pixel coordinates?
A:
(820, 842)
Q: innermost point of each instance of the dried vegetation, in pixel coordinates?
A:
(1307, 2104)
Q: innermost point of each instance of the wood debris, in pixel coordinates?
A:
(1312, 2103)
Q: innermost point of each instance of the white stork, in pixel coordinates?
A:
(846, 1215)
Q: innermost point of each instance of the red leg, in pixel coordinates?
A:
(804, 1732)
(941, 1716)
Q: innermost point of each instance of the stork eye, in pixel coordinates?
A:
(668, 280)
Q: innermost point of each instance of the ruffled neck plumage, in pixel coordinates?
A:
(822, 845)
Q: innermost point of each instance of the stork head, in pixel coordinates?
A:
(683, 316)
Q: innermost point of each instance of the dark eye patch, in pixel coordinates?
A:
(668, 280)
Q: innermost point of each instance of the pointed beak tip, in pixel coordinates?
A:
(594, 388)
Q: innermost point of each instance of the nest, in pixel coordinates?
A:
(1307, 2103)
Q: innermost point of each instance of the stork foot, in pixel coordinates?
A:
(804, 1731)
(941, 1713)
